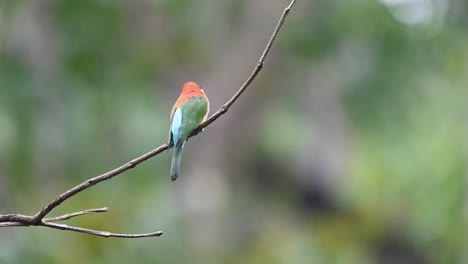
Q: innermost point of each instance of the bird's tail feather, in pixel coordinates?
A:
(175, 164)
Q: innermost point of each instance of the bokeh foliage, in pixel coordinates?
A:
(350, 147)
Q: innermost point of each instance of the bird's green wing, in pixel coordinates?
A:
(193, 112)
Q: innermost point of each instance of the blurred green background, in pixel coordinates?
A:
(349, 147)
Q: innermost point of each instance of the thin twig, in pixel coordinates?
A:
(99, 233)
(39, 220)
(93, 181)
(12, 224)
(256, 70)
(25, 220)
(71, 215)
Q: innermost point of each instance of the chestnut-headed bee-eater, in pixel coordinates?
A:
(188, 112)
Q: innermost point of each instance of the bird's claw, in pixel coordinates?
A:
(198, 130)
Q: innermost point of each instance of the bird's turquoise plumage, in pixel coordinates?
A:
(175, 164)
(184, 119)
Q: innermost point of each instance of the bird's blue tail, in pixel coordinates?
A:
(175, 164)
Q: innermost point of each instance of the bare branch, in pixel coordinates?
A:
(11, 224)
(98, 233)
(49, 222)
(15, 218)
(38, 219)
(256, 70)
(93, 181)
(71, 215)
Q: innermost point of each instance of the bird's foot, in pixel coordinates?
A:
(197, 131)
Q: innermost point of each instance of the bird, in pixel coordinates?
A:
(189, 111)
